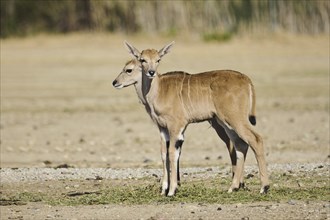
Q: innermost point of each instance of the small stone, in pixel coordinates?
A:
(276, 104)
(59, 149)
(326, 205)
(219, 157)
(292, 202)
(219, 209)
(64, 166)
(23, 149)
(104, 159)
(82, 140)
(129, 130)
(249, 176)
(47, 162)
(209, 169)
(291, 120)
(207, 158)
(147, 160)
(300, 184)
(98, 178)
(245, 218)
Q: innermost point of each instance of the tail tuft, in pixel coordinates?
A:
(252, 119)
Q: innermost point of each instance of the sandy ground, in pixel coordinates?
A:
(265, 210)
(58, 106)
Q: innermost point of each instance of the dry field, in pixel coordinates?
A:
(58, 106)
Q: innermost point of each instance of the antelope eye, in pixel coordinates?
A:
(128, 70)
(143, 61)
(158, 61)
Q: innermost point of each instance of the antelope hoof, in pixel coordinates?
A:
(172, 192)
(235, 189)
(164, 188)
(164, 191)
(265, 189)
(242, 186)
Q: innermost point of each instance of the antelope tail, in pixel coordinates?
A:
(252, 114)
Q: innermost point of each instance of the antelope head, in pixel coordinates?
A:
(149, 58)
(130, 75)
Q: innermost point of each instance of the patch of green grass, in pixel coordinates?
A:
(207, 191)
(217, 37)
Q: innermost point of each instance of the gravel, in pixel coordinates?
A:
(12, 175)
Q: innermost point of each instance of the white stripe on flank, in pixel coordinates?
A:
(189, 103)
(180, 93)
(250, 90)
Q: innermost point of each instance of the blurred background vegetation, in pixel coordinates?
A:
(210, 19)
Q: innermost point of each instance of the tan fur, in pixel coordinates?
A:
(177, 99)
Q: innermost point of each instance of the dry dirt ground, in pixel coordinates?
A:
(58, 107)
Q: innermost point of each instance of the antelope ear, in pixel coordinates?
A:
(132, 50)
(165, 49)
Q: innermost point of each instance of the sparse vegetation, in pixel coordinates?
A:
(210, 191)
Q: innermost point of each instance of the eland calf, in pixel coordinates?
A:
(225, 98)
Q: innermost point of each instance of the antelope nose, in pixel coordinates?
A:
(151, 73)
(114, 82)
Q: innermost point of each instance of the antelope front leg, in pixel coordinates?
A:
(242, 184)
(174, 155)
(165, 159)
